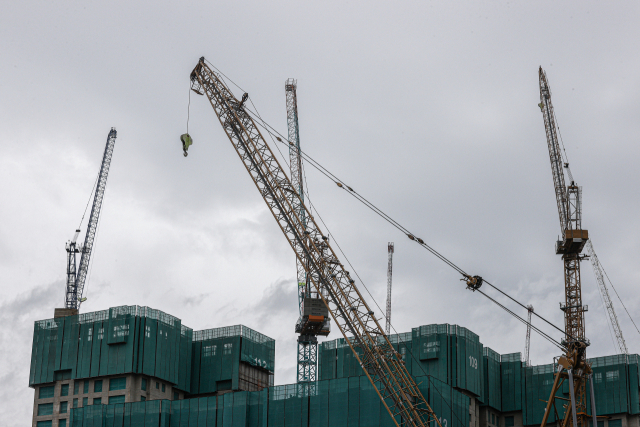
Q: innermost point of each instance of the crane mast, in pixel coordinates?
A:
(527, 344)
(599, 273)
(333, 284)
(307, 356)
(389, 273)
(570, 245)
(75, 281)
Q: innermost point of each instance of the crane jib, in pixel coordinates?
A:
(382, 365)
(75, 287)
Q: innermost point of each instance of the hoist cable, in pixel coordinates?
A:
(330, 175)
(279, 137)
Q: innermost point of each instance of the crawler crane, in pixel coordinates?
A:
(382, 365)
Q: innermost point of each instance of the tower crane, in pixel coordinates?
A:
(527, 344)
(76, 280)
(389, 274)
(311, 313)
(604, 292)
(569, 246)
(381, 363)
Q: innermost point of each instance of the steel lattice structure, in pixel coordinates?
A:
(307, 356)
(389, 275)
(73, 296)
(599, 272)
(381, 363)
(569, 200)
(527, 344)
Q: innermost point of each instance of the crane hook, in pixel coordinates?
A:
(186, 140)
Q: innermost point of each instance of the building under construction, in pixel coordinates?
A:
(135, 366)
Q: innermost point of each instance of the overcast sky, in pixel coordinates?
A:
(427, 109)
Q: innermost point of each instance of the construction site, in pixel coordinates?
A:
(135, 366)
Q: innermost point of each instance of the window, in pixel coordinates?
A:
(62, 423)
(62, 375)
(45, 409)
(63, 407)
(209, 351)
(75, 403)
(76, 387)
(143, 385)
(157, 385)
(493, 419)
(227, 348)
(176, 395)
(85, 389)
(97, 401)
(615, 423)
(598, 377)
(163, 388)
(116, 399)
(97, 386)
(117, 383)
(613, 375)
(64, 390)
(46, 392)
(85, 401)
(509, 421)
(44, 423)
(142, 398)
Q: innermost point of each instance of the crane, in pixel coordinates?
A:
(604, 292)
(76, 280)
(307, 356)
(381, 363)
(389, 271)
(570, 246)
(527, 344)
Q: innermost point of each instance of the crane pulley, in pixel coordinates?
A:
(381, 363)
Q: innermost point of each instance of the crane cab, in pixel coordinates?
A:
(315, 318)
(573, 242)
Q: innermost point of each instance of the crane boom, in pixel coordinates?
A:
(74, 292)
(382, 365)
(599, 273)
(554, 150)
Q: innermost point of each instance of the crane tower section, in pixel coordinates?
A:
(76, 281)
(569, 246)
(311, 313)
(389, 275)
(371, 347)
(527, 344)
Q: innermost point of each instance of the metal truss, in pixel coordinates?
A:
(74, 292)
(381, 363)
